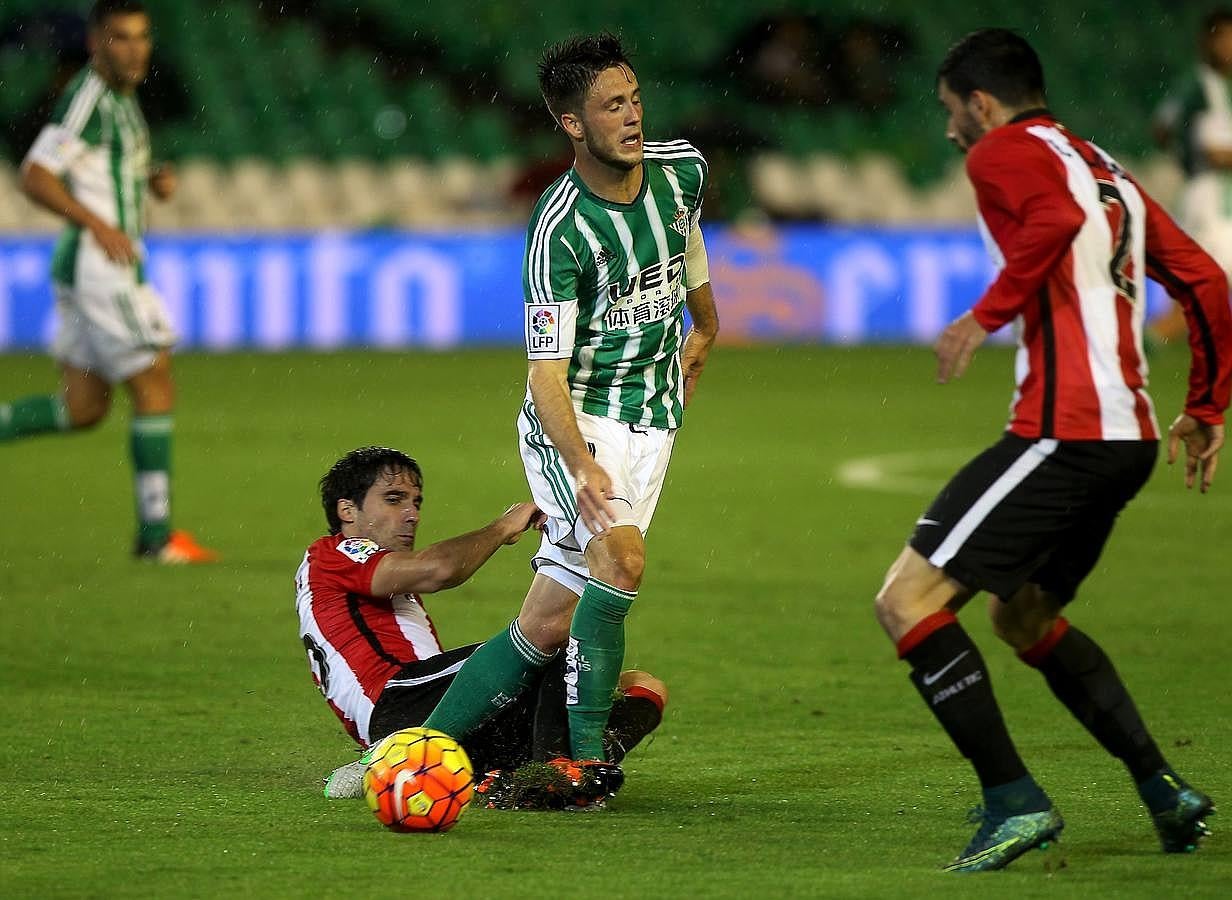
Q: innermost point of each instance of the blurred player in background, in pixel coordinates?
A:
(614, 255)
(91, 165)
(1197, 120)
(373, 648)
(1075, 238)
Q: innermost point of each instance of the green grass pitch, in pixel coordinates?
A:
(161, 736)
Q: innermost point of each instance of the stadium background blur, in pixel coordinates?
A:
(354, 176)
(365, 118)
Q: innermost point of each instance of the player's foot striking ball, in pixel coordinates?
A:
(418, 780)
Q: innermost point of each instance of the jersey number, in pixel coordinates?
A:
(320, 665)
(1121, 223)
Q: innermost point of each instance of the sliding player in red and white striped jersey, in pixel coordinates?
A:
(1074, 237)
(373, 649)
(356, 641)
(357, 589)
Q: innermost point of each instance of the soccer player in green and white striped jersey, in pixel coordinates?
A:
(1196, 118)
(614, 256)
(91, 165)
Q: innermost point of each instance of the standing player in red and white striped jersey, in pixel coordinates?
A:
(1074, 237)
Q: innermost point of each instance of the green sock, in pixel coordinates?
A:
(151, 450)
(489, 680)
(592, 666)
(33, 415)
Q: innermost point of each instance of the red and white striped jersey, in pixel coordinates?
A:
(1075, 237)
(356, 642)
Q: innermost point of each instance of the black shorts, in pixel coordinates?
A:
(1032, 512)
(504, 741)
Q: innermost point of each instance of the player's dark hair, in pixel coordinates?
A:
(104, 8)
(567, 70)
(1215, 19)
(351, 477)
(996, 61)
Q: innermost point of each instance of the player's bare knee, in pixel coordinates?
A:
(1004, 619)
(898, 607)
(619, 563)
(1023, 618)
(626, 569)
(886, 603)
(546, 629)
(153, 390)
(88, 413)
(546, 613)
(154, 400)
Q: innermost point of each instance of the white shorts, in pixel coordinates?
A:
(1203, 215)
(635, 457)
(113, 327)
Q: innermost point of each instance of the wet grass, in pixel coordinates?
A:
(161, 736)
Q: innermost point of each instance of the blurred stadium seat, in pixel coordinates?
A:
(370, 113)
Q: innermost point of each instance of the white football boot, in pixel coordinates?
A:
(346, 782)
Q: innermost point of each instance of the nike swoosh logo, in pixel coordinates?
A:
(929, 679)
(927, 522)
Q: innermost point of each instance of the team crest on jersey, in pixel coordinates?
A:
(682, 223)
(543, 327)
(358, 550)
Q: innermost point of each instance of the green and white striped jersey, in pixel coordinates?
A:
(605, 283)
(98, 142)
(1198, 112)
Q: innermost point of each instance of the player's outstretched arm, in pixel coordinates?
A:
(549, 388)
(448, 563)
(48, 191)
(700, 338)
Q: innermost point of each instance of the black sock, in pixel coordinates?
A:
(1082, 677)
(633, 717)
(550, 738)
(949, 672)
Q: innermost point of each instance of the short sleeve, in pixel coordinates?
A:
(551, 269)
(75, 124)
(56, 149)
(348, 563)
(550, 281)
(696, 263)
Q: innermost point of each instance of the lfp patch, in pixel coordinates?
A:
(543, 327)
(359, 550)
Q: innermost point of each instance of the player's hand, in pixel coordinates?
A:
(521, 517)
(164, 181)
(594, 490)
(115, 243)
(693, 360)
(957, 345)
(1202, 444)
